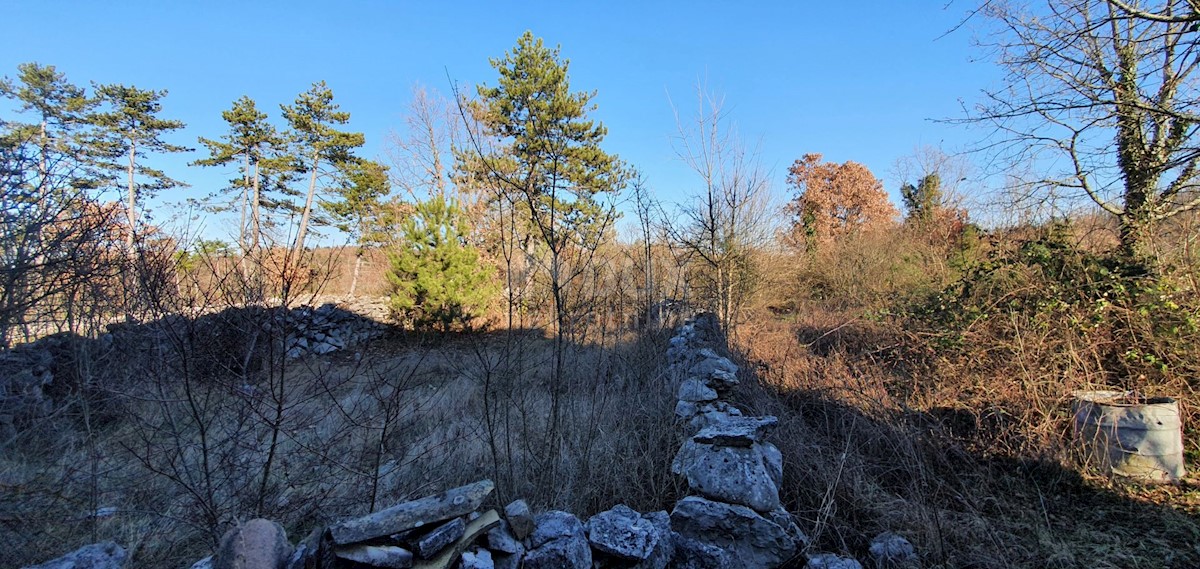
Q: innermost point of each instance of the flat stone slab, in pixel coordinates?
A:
(737, 475)
(417, 513)
(453, 554)
(752, 540)
(433, 542)
(736, 431)
(390, 556)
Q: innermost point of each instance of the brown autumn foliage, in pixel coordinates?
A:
(835, 200)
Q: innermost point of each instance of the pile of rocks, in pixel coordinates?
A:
(325, 329)
(734, 517)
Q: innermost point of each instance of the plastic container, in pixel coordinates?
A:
(1137, 438)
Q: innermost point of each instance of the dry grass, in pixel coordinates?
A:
(969, 459)
(183, 455)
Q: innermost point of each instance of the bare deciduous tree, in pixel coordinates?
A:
(1102, 97)
(729, 218)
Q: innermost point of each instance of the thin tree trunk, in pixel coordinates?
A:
(312, 192)
(358, 260)
(132, 206)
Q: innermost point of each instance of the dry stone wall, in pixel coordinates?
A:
(732, 518)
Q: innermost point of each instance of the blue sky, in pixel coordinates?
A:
(854, 81)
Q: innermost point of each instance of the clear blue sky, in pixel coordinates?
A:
(851, 80)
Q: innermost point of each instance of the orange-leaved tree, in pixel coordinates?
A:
(834, 201)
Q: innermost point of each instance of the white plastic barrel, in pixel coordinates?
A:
(1139, 439)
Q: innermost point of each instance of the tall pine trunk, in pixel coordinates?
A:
(308, 201)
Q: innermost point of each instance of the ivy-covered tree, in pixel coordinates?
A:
(922, 201)
(321, 149)
(261, 155)
(437, 279)
(128, 128)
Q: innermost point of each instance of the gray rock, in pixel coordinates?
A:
(434, 541)
(564, 553)
(417, 513)
(891, 551)
(558, 541)
(256, 544)
(773, 460)
(664, 550)
(736, 431)
(728, 474)
(785, 520)
(205, 563)
(552, 525)
(722, 380)
(831, 561)
(520, 519)
(686, 409)
(694, 554)
(755, 542)
(103, 555)
(481, 559)
(500, 539)
(695, 390)
(709, 363)
(450, 556)
(390, 556)
(306, 550)
(506, 560)
(712, 413)
(622, 532)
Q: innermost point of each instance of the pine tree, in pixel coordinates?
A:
(260, 151)
(130, 128)
(437, 279)
(321, 149)
(360, 212)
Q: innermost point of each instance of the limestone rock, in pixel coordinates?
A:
(417, 513)
(622, 532)
(695, 390)
(785, 520)
(480, 559)
(695, 554)
(103, 555)
(736, 431)
(712, 413)
(520, 519)
(755, 542)
(664, 550)
(891, 551)
(256, 544)
(205, 563)
(390, 556)
(552, 525)
(500, 539)
(450, 556)
(686, 409)
(435, 541)
(558, 542)
(729, 474)
(831, 561)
